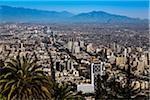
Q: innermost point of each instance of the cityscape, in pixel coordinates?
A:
(104, 57)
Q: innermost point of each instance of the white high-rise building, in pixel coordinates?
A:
(76, 44)
(96, 69)
(77, 49)
(89, 47)
(1, 48)
(49, 31)
(70, 45)
(125, 52)
(81, 43)
(22, 47)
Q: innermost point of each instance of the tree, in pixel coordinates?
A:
(62, 91)
(122, 86)
(22, 79)
(1, 63)
(119, 85)
(124, 91)
(2, 97)
(101, 87)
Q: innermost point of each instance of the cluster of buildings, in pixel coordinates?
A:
(73, 61)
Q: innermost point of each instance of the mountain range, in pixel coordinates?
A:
(19, 14)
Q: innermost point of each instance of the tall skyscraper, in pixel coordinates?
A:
(97, 69)
(81, 44)
(70, 45)
(125, 52)
(89, 47)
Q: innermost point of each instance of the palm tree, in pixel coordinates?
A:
(22, 79)
(124, 89)
(62, 91)
(119, 85)
(2, 97)
(124, 92)
(1, 63)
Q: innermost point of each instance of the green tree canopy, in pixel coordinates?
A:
(22, 79)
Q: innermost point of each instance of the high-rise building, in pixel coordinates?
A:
(114, 46)
(89, 47)
(48, 31)
(97, 69)
(1, 48)
(70, 65)
(129, 49)
(125, 53)
(75, 44)
(81, 44)
(76, 47)
(148, 58)
(22, 47)
(70, 45)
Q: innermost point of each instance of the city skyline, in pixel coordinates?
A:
(74, 50)
(130, 8)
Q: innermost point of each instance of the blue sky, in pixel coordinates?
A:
(131, 8)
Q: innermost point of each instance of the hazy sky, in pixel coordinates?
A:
(131, 8)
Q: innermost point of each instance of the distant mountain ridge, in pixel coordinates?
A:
(18, 14)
